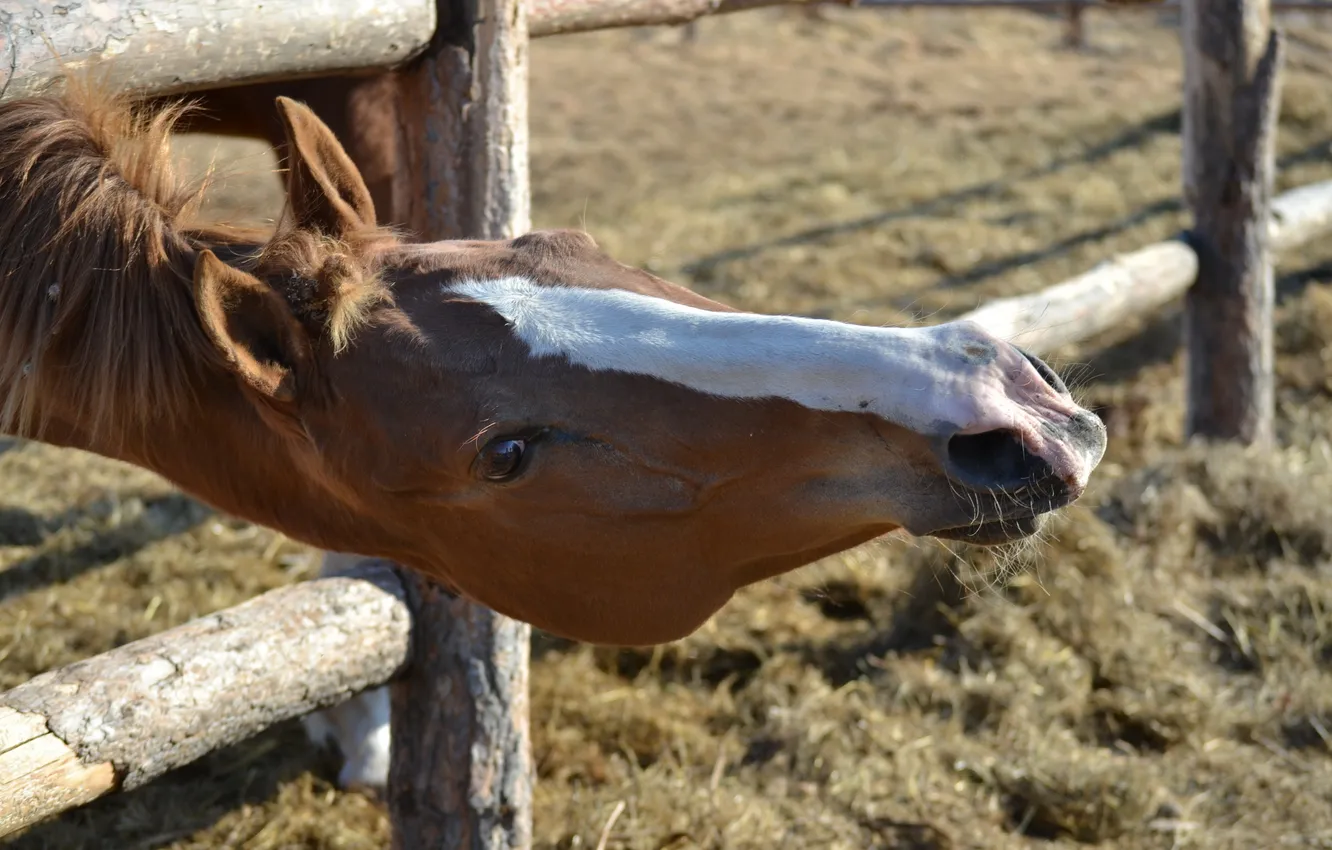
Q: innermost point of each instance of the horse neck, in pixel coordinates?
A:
(218, 450)
(101, 347)
(124, 371)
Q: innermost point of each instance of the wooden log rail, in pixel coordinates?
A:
(117, 720)
(1140, 282)
(165, 47)
(170, 45)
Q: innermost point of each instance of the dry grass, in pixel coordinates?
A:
(1158, 678)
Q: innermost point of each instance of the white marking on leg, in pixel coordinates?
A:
(359, 726)
(952, 377)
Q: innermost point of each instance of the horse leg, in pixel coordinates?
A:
(358, 726)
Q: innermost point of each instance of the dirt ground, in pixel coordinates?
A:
(1160, 674)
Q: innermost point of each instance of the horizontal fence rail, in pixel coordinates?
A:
(1138, 283)
(166, 47)
(120, 719)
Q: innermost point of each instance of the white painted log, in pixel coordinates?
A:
(1119, 289)
(1300, 216)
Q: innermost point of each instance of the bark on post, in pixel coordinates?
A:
(1075, 34)
(461, 771)
(1232, 63)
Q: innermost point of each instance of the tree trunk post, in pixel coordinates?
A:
(1075, 33)
(1232, 77)
(461, 770)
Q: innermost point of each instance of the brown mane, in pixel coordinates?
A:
(97, 254)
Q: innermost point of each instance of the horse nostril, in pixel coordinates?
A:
(995, 461)
(1047, 374)
(1086, 427)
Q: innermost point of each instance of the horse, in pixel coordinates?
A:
(568, 440)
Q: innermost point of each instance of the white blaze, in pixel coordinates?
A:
(952, 376)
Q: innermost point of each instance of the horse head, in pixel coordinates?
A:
(584, 446)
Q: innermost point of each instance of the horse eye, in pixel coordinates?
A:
(502, 459)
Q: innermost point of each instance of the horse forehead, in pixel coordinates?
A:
(544, 255)
(553, 258)
(556, 241)
(571, 258)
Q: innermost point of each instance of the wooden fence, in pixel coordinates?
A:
(68, 737)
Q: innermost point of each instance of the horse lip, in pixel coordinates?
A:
(993, 530)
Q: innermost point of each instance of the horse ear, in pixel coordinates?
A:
(252, 326)
(326, 189)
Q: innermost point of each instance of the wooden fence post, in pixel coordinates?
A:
(1232, 64)
(1075, 33)
(461, 769)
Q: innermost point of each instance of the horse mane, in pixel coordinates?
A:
(98, 242)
